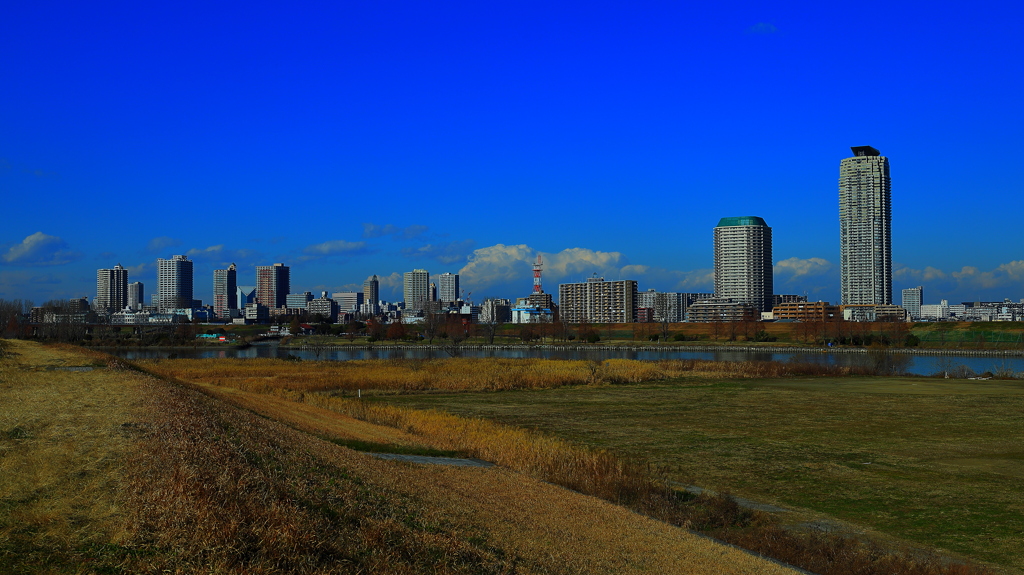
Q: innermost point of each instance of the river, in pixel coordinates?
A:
(898, 363)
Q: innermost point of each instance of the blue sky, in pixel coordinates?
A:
(349, 139)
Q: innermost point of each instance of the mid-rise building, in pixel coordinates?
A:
(225, 291)
(246, 295)
(496, 310)
(448, 288)
(416, 289)
(323, 306)
(136, 296)
(743, 261)
(348, 301)
(111, 289)
(598, 301)
(806, 311)
(174, 283)
(720, 310)
(912, 301)
(273, 284)
(298, 301)
(865, 234)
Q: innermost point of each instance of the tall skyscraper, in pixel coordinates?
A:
(111, 289)
(912, 298)
(743, 261)
(448, 288)
(174, 283)
(136, 295)
(273, 284)
(865, 222)
(225, 291)
(416, 289)
(371, 292)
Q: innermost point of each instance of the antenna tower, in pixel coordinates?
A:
(536, 275)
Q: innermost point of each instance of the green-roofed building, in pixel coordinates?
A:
(743, 261)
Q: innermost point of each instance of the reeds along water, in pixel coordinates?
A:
(466, 374)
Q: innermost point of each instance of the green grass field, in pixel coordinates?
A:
(933, 462)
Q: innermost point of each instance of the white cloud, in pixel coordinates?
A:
(406, 233)
(334, 247)
(446, 253)
(161, 243)
(40, 249)
(511, 265)
(798, 268)
(217, 253)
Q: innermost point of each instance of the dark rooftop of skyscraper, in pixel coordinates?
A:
(865, 151)
(741, 221)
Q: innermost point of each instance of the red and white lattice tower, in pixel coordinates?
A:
(536, 275)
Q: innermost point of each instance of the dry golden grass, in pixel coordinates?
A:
(455, 374)
(194, 485)
(590, 471)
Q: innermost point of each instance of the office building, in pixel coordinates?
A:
(273, 284)
(111, 289)
(865, 235)
(598, 301)
(448, 288)
(225, 291)
(743, 261)
(416, 289)
(912, 298)
(298, 300)
(348, 301)
(246, 295)
(174, 283)
(136, 297)
(371, 294)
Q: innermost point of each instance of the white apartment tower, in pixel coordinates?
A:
(743, 261)
(416, 289)
(865, 234)
(225, 291)
(273, 284)
(371, 292)
(111, 289)
(448, 288)
(912, 298)
(135, 295)
(174, 283)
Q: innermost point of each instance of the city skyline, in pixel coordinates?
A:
(607, 141)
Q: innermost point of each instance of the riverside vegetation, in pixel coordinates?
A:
(107, 469)
(561, 455)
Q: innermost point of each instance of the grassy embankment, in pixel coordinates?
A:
(936, 462)
(598, 473)
(114, 471)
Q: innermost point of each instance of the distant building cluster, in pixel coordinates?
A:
(743, 284)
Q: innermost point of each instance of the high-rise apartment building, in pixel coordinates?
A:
(912, 298)
(743, 261)
(865, 235)
(273, 284)
(598, 301)
(174, 283)
(111, 289)
(371, 292)
(136, 296)
(416, 289)
(448, 287)
(225, 291)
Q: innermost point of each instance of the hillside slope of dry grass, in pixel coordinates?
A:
(110, 470)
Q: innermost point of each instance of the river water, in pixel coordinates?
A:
(897, 363)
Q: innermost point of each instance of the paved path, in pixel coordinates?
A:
(434, 460)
